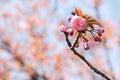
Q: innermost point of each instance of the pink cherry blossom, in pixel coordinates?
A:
(78, 23)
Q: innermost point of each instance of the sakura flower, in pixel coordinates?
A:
(78, 23)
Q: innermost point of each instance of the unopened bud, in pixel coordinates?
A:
(77, 45)
(70, 31)
(63, 28)
(69, 19)
(100, 30)
(86, 46)
(73, 12)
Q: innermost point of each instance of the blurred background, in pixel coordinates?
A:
(32, 47)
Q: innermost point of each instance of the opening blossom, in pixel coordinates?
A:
(78, 23)
(82, 24)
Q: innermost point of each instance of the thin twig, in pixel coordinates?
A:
(84, 59)
(75, 42)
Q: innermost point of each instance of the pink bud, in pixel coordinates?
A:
(73, 12)
(86, 46)
(97, 39)
(85, 39)
(63, 28)
(100, 30)
(70, 31)
(77, 45)
(99, 34)
(69, 19)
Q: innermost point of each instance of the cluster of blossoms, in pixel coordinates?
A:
(81, 24)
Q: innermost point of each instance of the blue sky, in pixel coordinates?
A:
(109, 10)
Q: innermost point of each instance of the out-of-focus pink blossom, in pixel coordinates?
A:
(63, 28)
(78, 23)
(70, 31)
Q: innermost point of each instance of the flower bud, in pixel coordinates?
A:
(86, 46)
(100, 30)
(97, 39)
(99, 34)
(70, 31)
(73, 12)
(77, 45)
(63, 28)
(69, 19)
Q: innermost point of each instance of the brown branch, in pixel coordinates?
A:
(76, 40)
(84, 59)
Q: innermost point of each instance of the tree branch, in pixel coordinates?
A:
(83, 58)
(76, 40)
